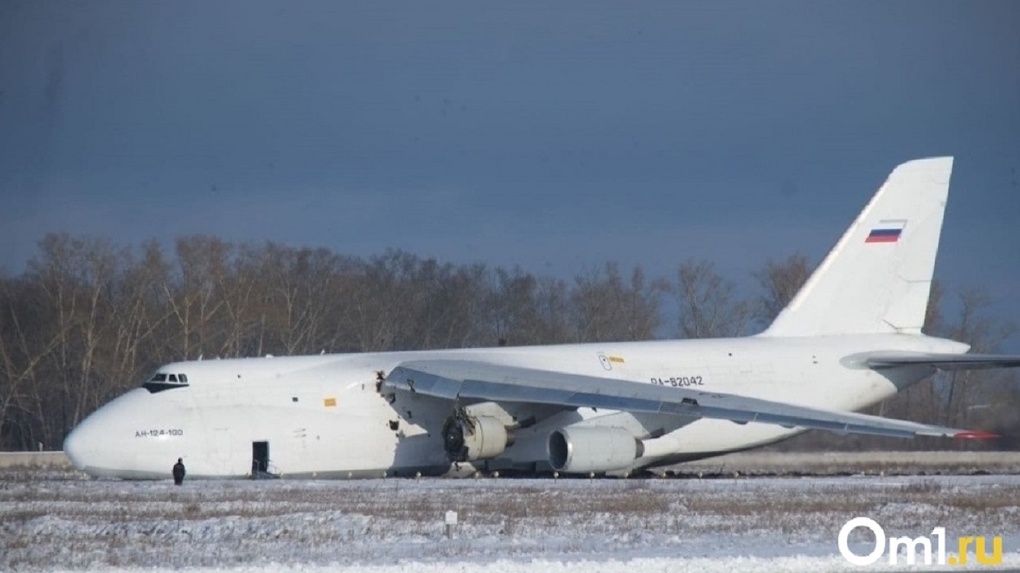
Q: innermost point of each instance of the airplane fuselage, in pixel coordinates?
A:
(327, 416)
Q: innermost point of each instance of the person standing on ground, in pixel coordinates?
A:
(179, 472)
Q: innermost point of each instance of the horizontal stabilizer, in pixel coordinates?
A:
(944, 361)
(459, 380)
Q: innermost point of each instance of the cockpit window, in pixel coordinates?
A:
(162, 381)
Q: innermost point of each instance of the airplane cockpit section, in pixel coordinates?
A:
(161, 381)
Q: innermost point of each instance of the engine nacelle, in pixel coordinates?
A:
(468, 438)
(583, 449)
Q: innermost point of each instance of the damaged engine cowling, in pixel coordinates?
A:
(583, 449)
(468, 438)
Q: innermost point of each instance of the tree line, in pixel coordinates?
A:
(89, 319)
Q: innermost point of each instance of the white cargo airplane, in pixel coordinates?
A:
(850, 338)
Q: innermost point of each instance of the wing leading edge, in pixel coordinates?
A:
(477, 381)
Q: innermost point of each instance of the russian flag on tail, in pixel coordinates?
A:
(886, 231)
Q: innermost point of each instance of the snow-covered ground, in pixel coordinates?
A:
(505, 525)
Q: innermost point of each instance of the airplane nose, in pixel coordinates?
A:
(80, 444)
(108, 443)
(73, 447)
(96, 443)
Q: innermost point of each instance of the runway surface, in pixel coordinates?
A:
(51, 523)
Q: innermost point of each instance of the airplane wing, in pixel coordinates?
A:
(944, 361)
(477, 381)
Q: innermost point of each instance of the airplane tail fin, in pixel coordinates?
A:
(878, 276)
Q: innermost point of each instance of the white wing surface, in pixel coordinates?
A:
(459, 380)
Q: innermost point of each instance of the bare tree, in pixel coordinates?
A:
(706, 303)
(79, 285)
(304, 296)
(383, 302)
(552, 302)
(933, 319)
(27, 343)
(526, 309)
(449, 304)
(607, 308)
(201, 264)
(984, 333)
(779, 282)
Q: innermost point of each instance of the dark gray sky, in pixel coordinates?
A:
(551, 136)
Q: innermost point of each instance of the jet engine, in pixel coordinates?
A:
(468, 438)
(582, 449)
